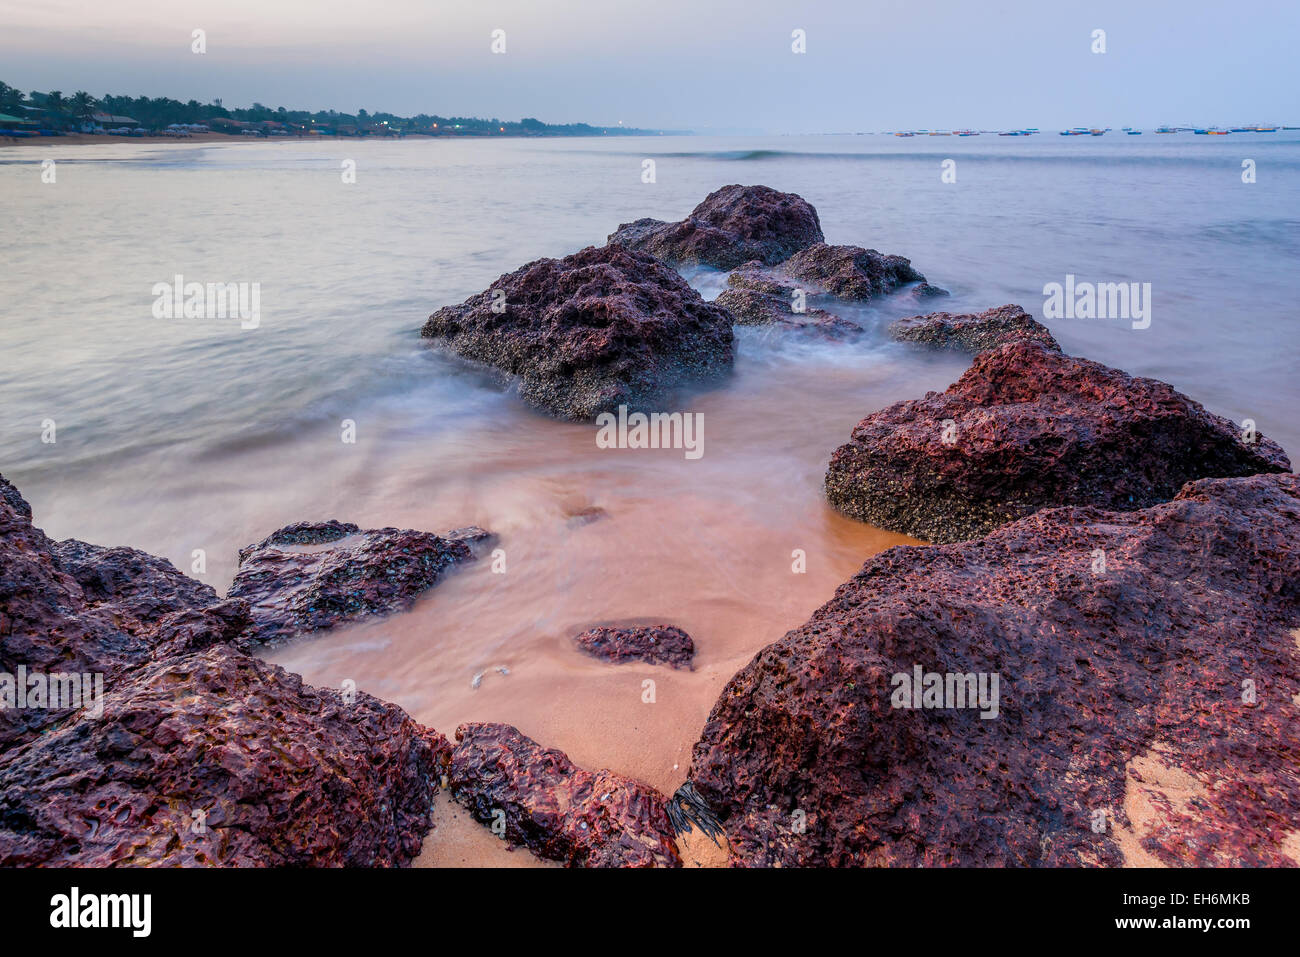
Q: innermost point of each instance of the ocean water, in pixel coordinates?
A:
(189, 436)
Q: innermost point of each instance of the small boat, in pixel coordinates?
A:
(1133, 132)
(904, 134)
(1165, 129)
(1217, 132)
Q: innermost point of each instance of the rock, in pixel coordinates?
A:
(554, 808)
(471, 535)
(923, 290)
(585, 334)
(733, 225)
(129, 576)
(755, 309)
(757, 296)
(1026, 427)
(975, 333)
(1116, 636)
(272, 773)
(852, 272)
(653, 644)
(185, 750)
(51, 624)
(294, 588)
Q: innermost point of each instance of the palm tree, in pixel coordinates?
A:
(82, 106)
(10, 98)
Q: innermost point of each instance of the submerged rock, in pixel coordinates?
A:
(851, 272)
(733, 225)
(1027, 427)
(757, 296)
(923, 291)
(653, 644)
(973, 332)
(293, 588)
(554, 808)
(585, 334)
(755, 309)
(1121, 641)
(182, 749)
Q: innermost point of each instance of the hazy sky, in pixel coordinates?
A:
(720, 64)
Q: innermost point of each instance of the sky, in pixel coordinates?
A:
(707, 65)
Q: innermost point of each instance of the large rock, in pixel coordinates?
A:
(556, 809)
(183, 750)
(217, 758)
(585, 334)
(1132, 649)
(733, 225)
(295, 586)
(973, 332)
(79, 609)
(1026, 427)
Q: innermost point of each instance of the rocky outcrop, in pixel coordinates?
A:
(585, 334)
(294, 586)
(1027, 427)
(734, 224)
(181, 750)
(1121, 640)
(973, 332)
(217, 758)
(851, 272)
(547, 804)
(653, 644)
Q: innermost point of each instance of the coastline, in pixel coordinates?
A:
(207, 139)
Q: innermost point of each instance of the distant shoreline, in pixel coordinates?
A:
(100, 139)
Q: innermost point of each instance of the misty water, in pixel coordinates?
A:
(177, 435)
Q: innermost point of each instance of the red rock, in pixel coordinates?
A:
(654, 644)
(585, 334)
(733, 225)
(294, 587)
(278, 773)
(1030, 427)
(282, 773)
(556, 809)
(973, 332)
(1114, 634)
